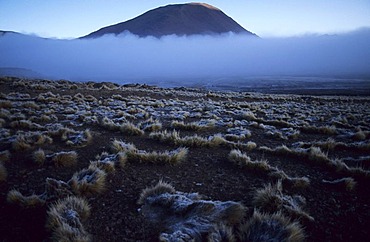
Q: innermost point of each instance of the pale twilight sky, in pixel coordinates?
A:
(266, 18)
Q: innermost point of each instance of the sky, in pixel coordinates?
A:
(66, 19)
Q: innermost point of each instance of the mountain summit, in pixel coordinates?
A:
(178, 19)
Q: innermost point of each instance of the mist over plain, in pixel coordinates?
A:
(128, 58)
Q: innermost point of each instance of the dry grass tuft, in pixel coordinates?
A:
(161, 188)
(3, 172)
(222, 233)
(64, 220)
(78, 139)
(39, 157)
(193, 126)
(244, 160)
(28, 140)
(4, 156)
(120, 146)
(130, 129)
(16, 197)
(347, 183)
(167, 157)
(271, 227)
(88, 181)
(271, 199)
(109, 162)
(64, 159)
(188, 141)
(150, 125)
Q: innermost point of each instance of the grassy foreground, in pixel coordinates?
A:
(82, 161)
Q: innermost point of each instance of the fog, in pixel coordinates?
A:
(128, 58)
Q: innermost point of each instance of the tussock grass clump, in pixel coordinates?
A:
(361, 135)
(167, 157)
(29, 140)
(347, 183)
(244, 160)
(160, 188)
(236, 134)
(222, 233)
(78, 139)
(64, 159)
(299, 182)
(25, 124)
(329, 130)
(271, 199)
(2, 122)
(250, 145)
(60, 159)
(3, 172)
(271, 227)
(6, 104)
(109, 124)
(4, 156)
(15, 197)
(88, 181)
(188, 141)
(150, 125)
(187, 216)
(130, 129)
(65, 220)
(39, 157)
(108, 162)
(121, 146)
(193, 126)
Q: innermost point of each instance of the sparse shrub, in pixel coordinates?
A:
(270, 227)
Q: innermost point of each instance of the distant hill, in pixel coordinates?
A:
(178, 19)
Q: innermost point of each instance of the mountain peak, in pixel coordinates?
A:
(206, 5)
(176, 19)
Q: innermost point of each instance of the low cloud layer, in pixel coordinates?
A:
(129, 58)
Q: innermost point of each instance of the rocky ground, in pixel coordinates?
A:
(315, 139)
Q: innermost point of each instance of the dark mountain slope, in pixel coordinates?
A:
(178, 19)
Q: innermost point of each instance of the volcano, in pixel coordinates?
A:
(176, 19)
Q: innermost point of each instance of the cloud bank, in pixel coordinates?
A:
(129, 58)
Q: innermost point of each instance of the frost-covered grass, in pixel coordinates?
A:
(105, 123)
